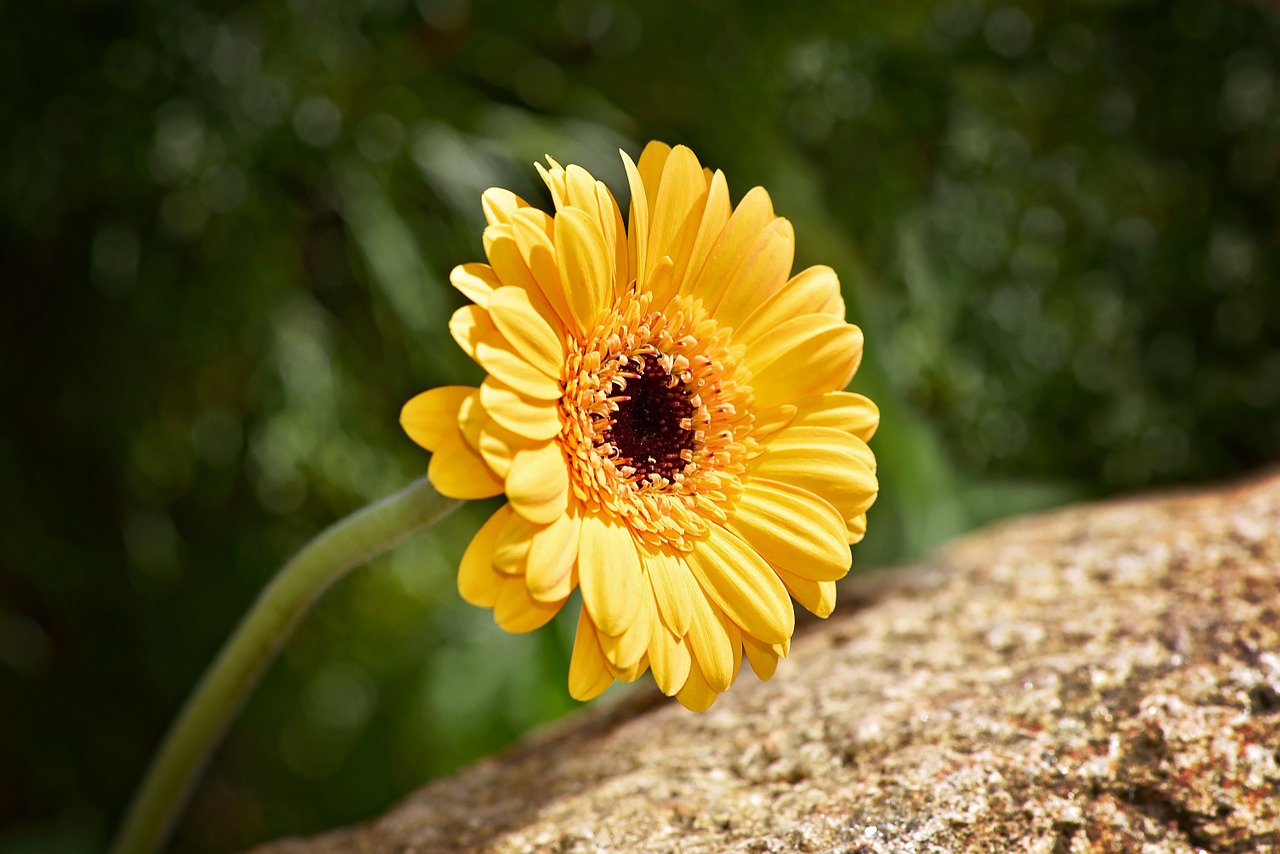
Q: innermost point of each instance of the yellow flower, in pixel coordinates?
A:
(664, 413)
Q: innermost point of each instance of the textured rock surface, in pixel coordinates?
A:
(1103, 677)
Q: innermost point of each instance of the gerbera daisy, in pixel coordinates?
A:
(664, 412)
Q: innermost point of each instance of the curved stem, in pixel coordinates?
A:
(253, 646)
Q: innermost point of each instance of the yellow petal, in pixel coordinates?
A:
(676, 210)
(582, 191)
(715, 215)
(868, 498)
(696, 695)
(553, 554)
(554, 178)
(673, 588)
(638, 236)
(843, 410)
(588, 674)
(710, 644)
(534, 231)
(763, 658)
(670, 660)
(735, 639)
(857, 528)
(734, 243)
(586, 271)
(582, 188)
(530, 333)
(475, 281)
(478, 581)
(739, 581)
(500, 205)
(817, 358)
(575, 187)
(815, 290)
(511, 548)
(864, 454)
(524, 416)
(503, 252)
(822, 460)
(610, 575)
(471, 417)
(792, 528)
(615, 235)
(788, 337)
(651, 164)
(430, 417)
(661, 284)
(467, 325)
(627, 674)
(518, 612)
(625, 651)
(762, 273)
(538, 483)
(818, 597)
(771, 420)
(496, 355)
(498, 445)
(458, 471)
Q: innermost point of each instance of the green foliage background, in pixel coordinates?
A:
(225, 233)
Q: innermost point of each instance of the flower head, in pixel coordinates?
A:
(664, 412)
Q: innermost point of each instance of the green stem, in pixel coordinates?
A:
(244, 658)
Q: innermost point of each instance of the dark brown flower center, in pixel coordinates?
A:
(651, 427)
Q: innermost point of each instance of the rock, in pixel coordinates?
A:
(1099, 678)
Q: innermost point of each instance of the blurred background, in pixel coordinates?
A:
(225, 234)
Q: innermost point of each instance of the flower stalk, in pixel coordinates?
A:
(255, 643)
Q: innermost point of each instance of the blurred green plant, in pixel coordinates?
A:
(225, 230)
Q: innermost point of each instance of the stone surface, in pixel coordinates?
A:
(1103, 677)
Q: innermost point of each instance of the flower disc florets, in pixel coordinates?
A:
(657, 419)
